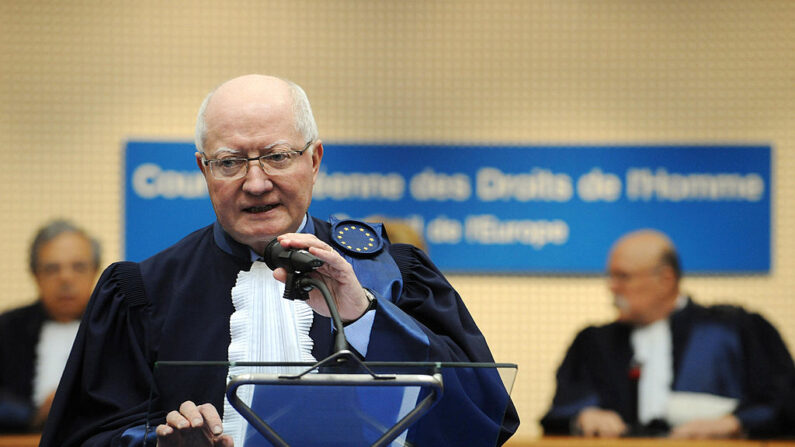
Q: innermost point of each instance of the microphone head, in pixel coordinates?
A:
(272, 251)
(292, 260)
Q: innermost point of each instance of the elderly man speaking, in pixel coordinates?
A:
(209, 297)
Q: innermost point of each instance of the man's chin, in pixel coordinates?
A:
(259, 237)
(252, 230)
(67, 311)
(257, 242)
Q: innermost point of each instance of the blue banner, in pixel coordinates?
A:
(165, 196)
(502, 209)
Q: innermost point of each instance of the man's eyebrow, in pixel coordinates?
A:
(277, 143)
(226, 150)
(239, 152)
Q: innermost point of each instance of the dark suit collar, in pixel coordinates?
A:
(225, 242)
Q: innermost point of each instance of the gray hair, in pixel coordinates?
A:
(304, 119)
(55, 229)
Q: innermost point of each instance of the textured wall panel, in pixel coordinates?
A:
(79, 77)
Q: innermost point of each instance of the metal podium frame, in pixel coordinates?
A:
(355, 373)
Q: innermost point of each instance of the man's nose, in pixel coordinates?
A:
(257, 181)
(613, 284)
(66, 274)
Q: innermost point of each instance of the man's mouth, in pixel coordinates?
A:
(259, 209)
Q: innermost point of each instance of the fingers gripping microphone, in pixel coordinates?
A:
(296, 262)
(292, 260)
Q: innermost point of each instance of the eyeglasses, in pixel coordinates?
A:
(278, 160)
(623, 277)
(53, 269)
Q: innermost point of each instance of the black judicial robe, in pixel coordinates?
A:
(720, 350)
(176, 306)
(20, 330)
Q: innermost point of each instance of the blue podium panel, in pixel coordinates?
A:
(328, 415)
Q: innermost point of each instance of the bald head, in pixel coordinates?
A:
(254, 95)
(250, 91)
(644, 274)
(647, 247)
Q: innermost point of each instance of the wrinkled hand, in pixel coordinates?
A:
(596, 422)
(336, 273)
(193, 426)
(724, 427)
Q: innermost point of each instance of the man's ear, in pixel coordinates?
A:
(317, 156)
(200, 162)
(667, 275)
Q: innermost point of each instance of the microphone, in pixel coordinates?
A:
(298, 263)
(292, 260)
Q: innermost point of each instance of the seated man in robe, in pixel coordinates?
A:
(35, 339)
(204, 297)
(668, 366)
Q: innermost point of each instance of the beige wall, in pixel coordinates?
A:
(80, 77)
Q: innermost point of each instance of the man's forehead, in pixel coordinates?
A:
(67, 238)
(633, 257)
(230, 121)
(65, 250)
(258, 126)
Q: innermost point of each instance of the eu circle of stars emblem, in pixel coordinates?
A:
(356, 238)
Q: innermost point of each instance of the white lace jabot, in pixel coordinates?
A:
(267, 328)
(653, 350)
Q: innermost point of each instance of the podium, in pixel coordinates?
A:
(343, 401)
